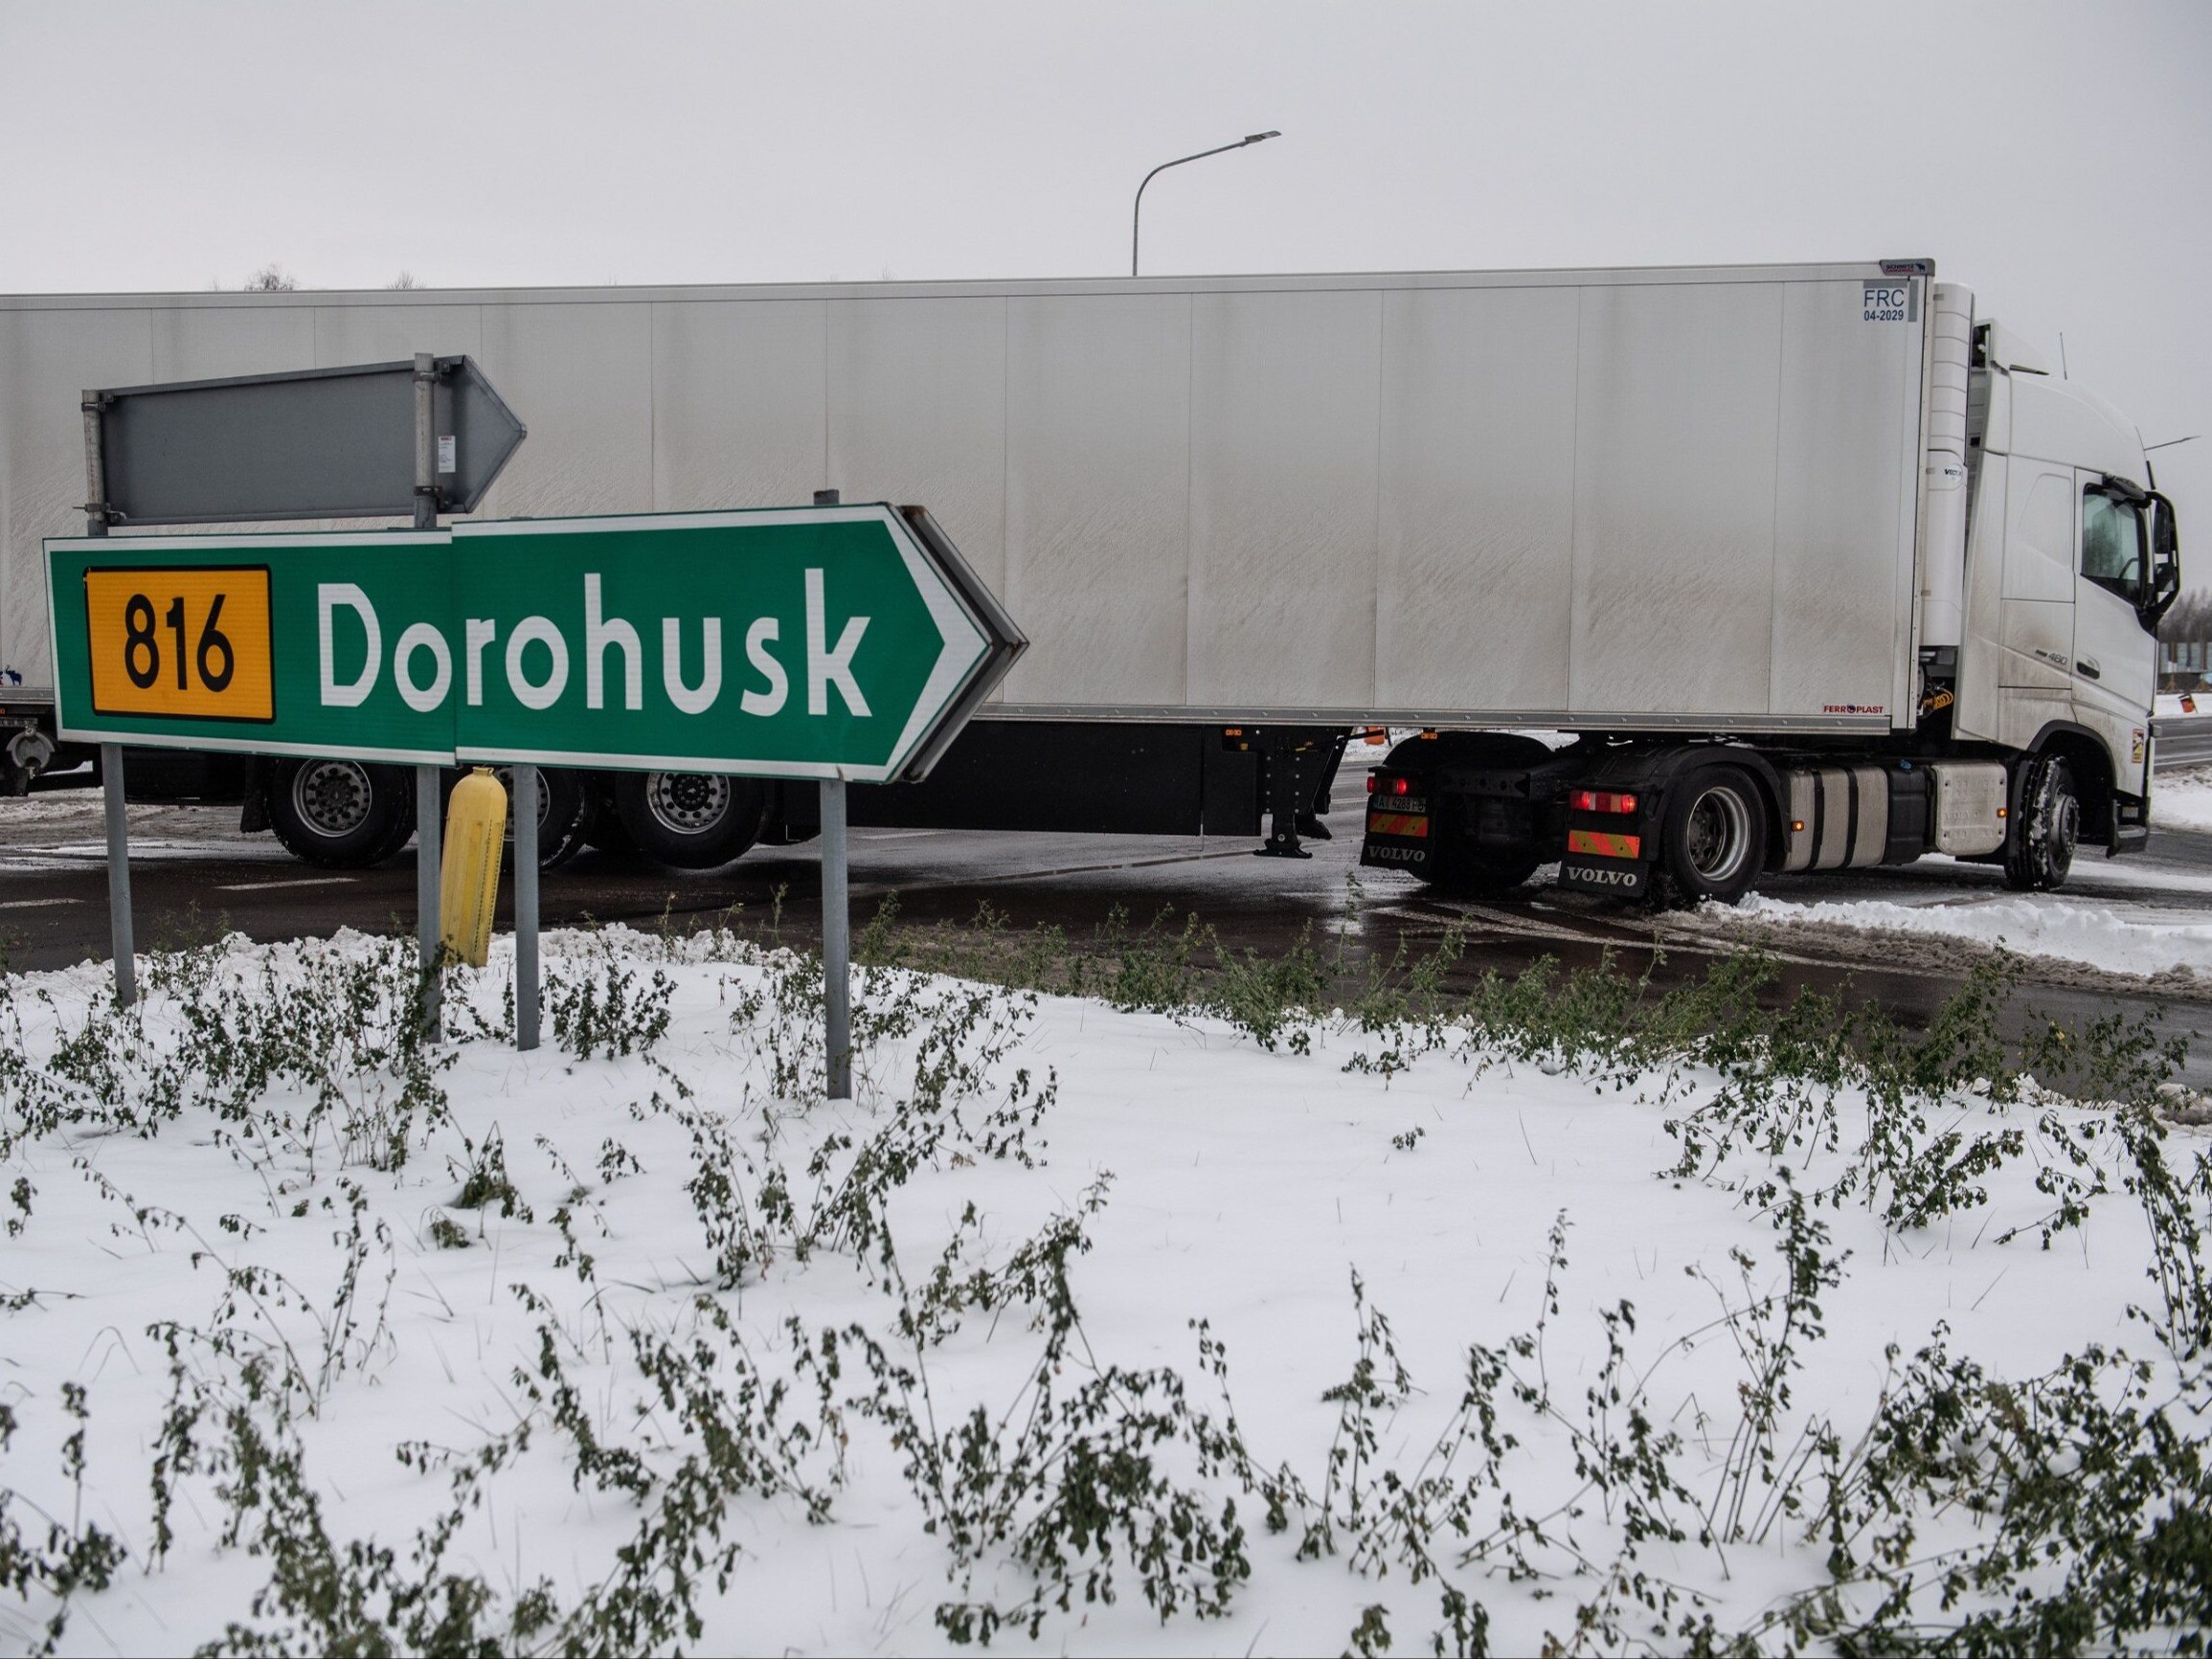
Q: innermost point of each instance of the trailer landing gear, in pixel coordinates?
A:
(1301, 761)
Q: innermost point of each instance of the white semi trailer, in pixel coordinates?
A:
(1817, 567)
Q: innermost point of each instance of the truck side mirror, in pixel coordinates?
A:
(2165, 583)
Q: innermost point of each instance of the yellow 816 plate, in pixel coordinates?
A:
(190, 643)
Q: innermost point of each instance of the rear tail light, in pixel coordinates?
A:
(1601, 800)
(1381, 783)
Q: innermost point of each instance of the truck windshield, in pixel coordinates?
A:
(2112, 545)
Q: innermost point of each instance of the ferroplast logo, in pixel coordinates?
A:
(1853, 708)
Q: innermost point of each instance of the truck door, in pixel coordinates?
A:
(2041, 538)
(2115, 659)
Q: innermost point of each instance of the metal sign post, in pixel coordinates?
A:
(123, 950)
(119, 944)
(523, 804)
(836, 943)
(427, 874)
(836, 926)
(428, 864)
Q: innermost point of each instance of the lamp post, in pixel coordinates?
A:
(1136, 216)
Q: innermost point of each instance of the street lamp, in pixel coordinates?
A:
(1137, 218)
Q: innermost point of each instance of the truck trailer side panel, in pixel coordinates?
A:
(1618, 500)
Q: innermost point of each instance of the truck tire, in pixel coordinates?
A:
(341, 814)
(2040, 851)
(1712, 837)
(694, 820)
(563, 814)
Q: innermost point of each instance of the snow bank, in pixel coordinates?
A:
(571, 1287)
(2074, 930)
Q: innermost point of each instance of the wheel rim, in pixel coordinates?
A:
(332, 798)
(544, 798)
(2062, 827)
(1718, 835)
(687, 803)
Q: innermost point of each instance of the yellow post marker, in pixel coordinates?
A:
(468, 888)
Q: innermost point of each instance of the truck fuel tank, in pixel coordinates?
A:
(1853, 815)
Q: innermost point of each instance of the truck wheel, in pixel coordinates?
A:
(1713, 837)
(2040, 851)
(696, 820)
(561, 814)
(343, 815)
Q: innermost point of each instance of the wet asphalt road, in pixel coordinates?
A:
(196, 876)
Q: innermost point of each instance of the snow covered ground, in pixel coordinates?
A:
(2184, 799)
(2136, 941)
(1009, 1332)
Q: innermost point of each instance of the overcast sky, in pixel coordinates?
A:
(2055, 157)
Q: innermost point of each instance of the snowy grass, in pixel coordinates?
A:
(1138, 1303)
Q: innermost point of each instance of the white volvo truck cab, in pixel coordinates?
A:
(2071, 560)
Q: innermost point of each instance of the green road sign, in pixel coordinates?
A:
(228, 641)
(833, 641)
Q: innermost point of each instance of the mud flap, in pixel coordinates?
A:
(1400, 835)
(1616, 878)
(1411, 857)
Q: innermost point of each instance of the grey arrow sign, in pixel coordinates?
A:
(318, 443)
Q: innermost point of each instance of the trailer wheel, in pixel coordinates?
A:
(1713, 837)
(402, 829)
(562, 814)
(696, 820)
(343, 815)
(2040, 851)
